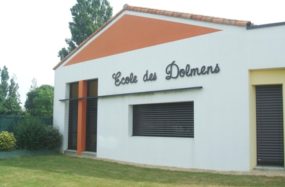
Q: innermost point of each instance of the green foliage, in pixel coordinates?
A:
(9, 96)
(31, 134)
(4, 83)
(53, 139)
(63, 53)
(40, 101)
(88, 16)
(7, 141)
(9, 122)
(12, 103)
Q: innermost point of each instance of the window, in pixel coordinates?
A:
(164, 120)
(73, 107)
(91, 115)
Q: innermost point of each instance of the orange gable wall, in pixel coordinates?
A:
(134, 32)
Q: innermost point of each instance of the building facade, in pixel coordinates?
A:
(173, 89)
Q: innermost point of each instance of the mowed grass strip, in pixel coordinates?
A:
(59, 170)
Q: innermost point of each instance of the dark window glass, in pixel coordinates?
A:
(73, 112)
(165, 120)
(91, 115)
(92, 88)
(73, 94)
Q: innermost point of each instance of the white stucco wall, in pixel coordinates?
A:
(221, 107)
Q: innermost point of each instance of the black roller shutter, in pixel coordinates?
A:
(269, 120)
(164, 120)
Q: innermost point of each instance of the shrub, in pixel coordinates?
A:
(7, 141)
(31, 134)
(53, 139)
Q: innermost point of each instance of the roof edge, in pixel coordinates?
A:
(182, 15)
(197, 17)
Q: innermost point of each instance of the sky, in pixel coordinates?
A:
(33, 31)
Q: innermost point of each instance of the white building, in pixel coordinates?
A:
(175, 89)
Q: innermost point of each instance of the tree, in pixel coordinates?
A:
(4, 84)
(40, 101)
(12, 103)
(9, 96)
(88, 16)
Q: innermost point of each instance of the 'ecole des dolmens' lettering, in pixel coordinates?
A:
(172, 70)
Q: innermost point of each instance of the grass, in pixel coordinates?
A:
(59, 170)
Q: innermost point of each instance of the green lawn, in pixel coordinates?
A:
(58, 170)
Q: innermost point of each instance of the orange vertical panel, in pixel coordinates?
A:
(81, 124)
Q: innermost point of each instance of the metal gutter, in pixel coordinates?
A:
(251, 26)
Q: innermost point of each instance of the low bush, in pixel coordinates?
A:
(53, 139)
(31, 134)
(7, 141)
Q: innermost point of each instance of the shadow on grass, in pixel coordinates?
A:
(109, 170)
